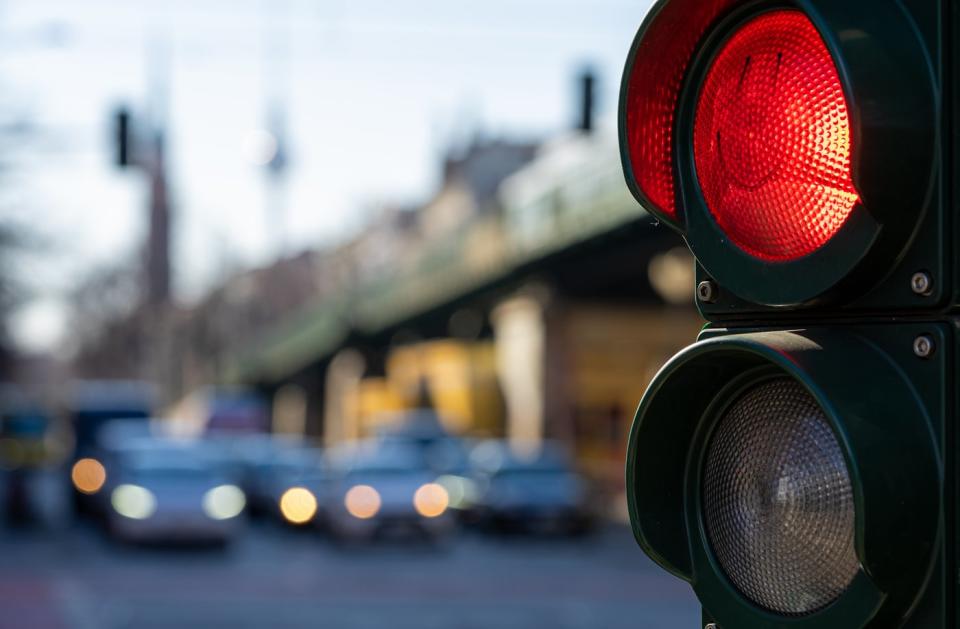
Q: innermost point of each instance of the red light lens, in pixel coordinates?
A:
(772, 140)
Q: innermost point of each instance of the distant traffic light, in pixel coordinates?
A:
(123, 137)
(797, 464)
(587, 83)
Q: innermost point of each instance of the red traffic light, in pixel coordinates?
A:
(772, 141)
(793, 146)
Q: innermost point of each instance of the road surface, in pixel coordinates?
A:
(274, 578)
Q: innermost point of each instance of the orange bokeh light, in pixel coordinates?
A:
(362, 501)
(431, 500)
(88, 476)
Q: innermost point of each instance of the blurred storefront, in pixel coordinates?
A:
(456, 379)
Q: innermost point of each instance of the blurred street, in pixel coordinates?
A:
(325, 315)
(281, 578)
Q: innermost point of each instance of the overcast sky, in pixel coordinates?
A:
(373, 90)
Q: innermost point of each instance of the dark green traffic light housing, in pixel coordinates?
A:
(797, 465)
(880, 407)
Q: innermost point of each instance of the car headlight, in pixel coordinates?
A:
(362, 501)
(298, 505)
(431, 500)
(133, 501)
(461, 491)
(224, 502)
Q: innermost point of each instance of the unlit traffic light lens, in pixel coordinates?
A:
(772, 139)
(777, 500)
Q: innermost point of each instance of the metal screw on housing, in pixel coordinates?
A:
(923, 346)
(710, 625)
(707, 291)
(921, 283)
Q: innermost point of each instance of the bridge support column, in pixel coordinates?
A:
(341, 415)
(520, 338)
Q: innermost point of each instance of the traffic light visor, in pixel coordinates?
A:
(651, 88)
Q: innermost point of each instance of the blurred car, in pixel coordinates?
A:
(90, 474)
(536, 491)
(252, 458)
(93, 405)
(385, 490)
(222, 411)
(446, 455)
(422, 431)
(163, 492)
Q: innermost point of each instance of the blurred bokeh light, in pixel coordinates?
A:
(298, 505)
(431, 500)
(88, 475)
(362, 501)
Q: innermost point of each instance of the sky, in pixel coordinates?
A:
(372, 92)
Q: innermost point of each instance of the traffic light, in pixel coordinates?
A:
(796, 465)
(123, 138)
